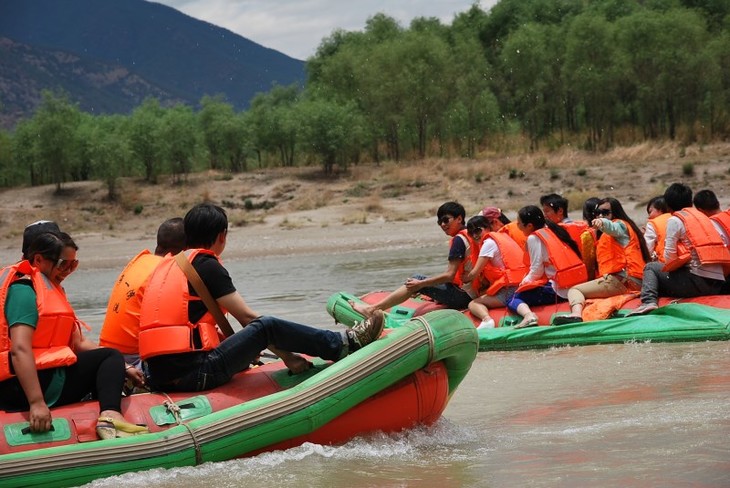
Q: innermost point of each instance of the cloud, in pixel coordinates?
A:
(297, 27)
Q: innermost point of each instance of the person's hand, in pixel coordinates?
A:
(134, 375)
(40, 417)
(413, 285)
(597, 223)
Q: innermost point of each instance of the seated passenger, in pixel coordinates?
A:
(37, 319)
(447, 288)
(655, 231)
(498, 222)
(555, 265)
(555, 209)
(121, 322)
(182, 342)
(696, 258)
(621, 254)
(589, 237)
(501, 263)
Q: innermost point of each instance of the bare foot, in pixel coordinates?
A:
(363, 309)
(530, 320)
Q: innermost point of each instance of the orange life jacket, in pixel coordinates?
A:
(466, 264)
(574, 229)
(704, 239)
(513, 258)
(513, 230)
(121, 323)
(612, 258)
(569, 268)
(660, 227)
(164, 327)
(723, 218)
(51, 341)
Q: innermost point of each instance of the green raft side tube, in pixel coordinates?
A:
(681, 322)
(444, 335)
(339, 308)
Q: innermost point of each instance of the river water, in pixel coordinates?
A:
(630, 415)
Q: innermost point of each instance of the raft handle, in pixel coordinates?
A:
(26, 430)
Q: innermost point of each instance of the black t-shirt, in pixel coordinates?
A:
(168, 367)
(215, 277)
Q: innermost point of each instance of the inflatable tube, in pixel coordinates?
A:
(410, 372)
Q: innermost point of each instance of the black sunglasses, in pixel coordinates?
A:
(444, 220)
(603, 211)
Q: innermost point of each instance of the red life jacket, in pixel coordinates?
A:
(574, 229)
(569, 268)
(612, 258)
(466, 264)
(51, 341)
(704, 239)
(660, 227)
(513, 230)
(723, 218)
(164, 327)
(513, 258)
(121, 323)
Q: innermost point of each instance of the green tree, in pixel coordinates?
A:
(526, 60)
(591, 74)
(214, 116)
(107, 149)
(143, 129)
(24, 151)
(273, 124)
(177, 141)
(55, 122)
(330, 130)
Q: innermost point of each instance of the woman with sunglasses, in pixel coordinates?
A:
(48, 361)
(555, 265)
(500, 265)
(621, 253)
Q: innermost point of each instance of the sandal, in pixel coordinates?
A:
(109, 428)
(530, 320)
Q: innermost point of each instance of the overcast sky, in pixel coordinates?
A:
(296, 27)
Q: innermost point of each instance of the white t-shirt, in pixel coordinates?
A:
(676, 232)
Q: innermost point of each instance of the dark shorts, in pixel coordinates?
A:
(447, 294)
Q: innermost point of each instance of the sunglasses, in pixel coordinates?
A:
(67, 264)
(603, 211)
(445, 220)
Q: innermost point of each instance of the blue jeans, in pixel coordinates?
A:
(235, 354)
(543, 295)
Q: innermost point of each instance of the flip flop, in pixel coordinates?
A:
(109, 428)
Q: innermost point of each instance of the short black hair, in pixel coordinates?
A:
(203, 223)
(658, 203)
(678, 196)
(706, 200)
(451, 208)
(170, 237)
(555, 201)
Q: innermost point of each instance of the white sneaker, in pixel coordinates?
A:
(486, 324)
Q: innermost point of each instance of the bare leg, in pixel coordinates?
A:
(396, 297)
(479, 308)
(528, 317)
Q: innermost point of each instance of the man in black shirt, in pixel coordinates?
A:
(206, 228)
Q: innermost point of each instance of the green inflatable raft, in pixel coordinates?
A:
(701, 319)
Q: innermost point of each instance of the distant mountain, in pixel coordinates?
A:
(110, 54)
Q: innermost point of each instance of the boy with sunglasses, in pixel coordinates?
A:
(446, 288)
